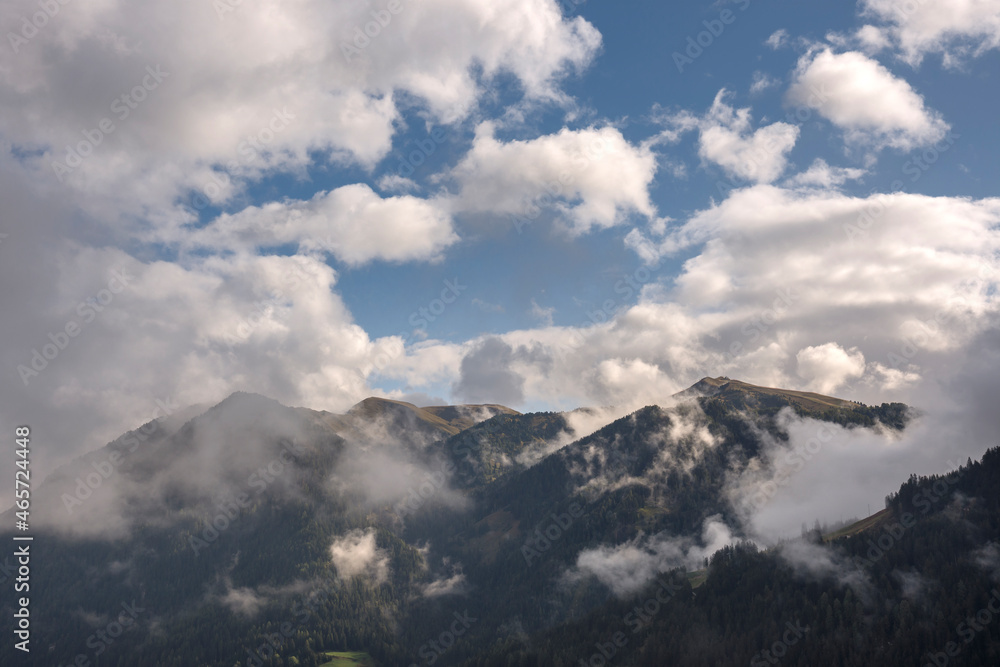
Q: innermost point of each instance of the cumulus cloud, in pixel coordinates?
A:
(166, 107)
(868, 38)
(861, 97)
(889, 291)
(591, 178)
(630, 381)
(826, 367)
(222, 81)
(726, 138)
(352, 223)
(487, 376)
(871, 39)
(957, 29)
(356, 554)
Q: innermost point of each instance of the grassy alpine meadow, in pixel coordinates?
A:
(348, 659)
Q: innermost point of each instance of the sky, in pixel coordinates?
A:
(537, 203)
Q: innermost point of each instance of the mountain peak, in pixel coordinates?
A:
(450, 419)
(728, 388)
(375, 404)
(242, 397)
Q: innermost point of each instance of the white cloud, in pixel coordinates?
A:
(280, 73)
(868, 38)
(630, 381)
(857, 94)
(355, 554)
(872, 39)
(957, 29)
(822, 175)
(777, 39)
(773, 272)
(352, 223)
(827, 367)
(190, 333)
(397, 183)
(628, 567)
(544, 315)
(486, 306)
(453, 585)
(243, 601)
(592, 177)
(726, 138)
(761, 82)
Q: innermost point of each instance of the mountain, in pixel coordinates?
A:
(255, 533)
(448, 419)
(745, 396)
(743, 392)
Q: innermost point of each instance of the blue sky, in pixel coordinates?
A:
(839, 154)
(634, 73)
